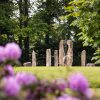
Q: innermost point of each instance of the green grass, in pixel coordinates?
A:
(50, 73)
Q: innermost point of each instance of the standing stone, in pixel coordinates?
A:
(90, 64)
(33, 58)
(83, 58)
(27, 64)
(61, 53)
(69, 56)
(65, 60)
(48, 57)
(56, 58)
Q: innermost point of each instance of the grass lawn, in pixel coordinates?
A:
(50, 73)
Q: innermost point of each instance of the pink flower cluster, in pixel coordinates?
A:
(12, 84)
(10, 52)
(26, 86)
(78, 83)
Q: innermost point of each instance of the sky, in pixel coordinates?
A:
(32, 9)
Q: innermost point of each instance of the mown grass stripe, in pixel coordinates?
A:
(50, 73)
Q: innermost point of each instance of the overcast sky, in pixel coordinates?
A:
(32, 9)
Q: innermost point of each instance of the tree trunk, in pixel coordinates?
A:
(23, 9)
(26, 41)
(20, 13)
(20, 41)
(26, 13)
(26, 48)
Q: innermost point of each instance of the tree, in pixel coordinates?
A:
(46, 25)
(23, 6)
(86, 18)
(6, 23)
(43, 29)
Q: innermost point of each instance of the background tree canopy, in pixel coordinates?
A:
(86, 15)
(41, 24)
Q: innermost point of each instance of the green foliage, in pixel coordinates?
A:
(50, 12)
(97, 56)
(86, 14)
(87, 19)
(38, 28)
(45, 27)
(6, 12)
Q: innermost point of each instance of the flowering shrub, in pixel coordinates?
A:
(26, 86)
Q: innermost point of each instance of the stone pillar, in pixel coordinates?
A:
(83, 58)
(69, 56)
(48, 57)
(33, 58)
(90, 64)
(56, 58)
(61, 53)
(27, 64)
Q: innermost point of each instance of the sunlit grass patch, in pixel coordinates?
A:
(50, 73)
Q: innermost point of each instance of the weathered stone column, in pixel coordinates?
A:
(69, 56)
(33, 58)
(83, 58)
(48, 57)
(61, 53)
(56, 58)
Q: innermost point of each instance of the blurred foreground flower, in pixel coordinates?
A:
(88, 94)
(12, 51)
(26, 86)
(8, 71)
(67, 97)
(77, 82)
(11, 86)
(25, 78)
(61, 83)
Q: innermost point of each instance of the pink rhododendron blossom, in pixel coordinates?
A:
(11, 86)
(61, 83)
(8, 70)
(26, 78)
(88, 94)
(78, 82)
(26, 86)
(12, 51)
(66, 97)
